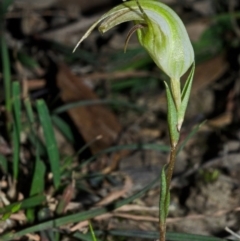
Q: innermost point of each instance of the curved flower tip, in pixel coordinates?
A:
(160, 31)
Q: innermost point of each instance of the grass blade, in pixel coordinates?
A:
(172, 117)
(138, 146)
(28, 107)
(50, 140)
(7, 80)
(32, 136)
(63, 127)
(16, 103)
(26, 203)
(27, 61)
(66, 107)
(92, 232)
(185, 95)
(37, 185)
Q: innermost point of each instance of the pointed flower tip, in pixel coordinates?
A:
(77, 45)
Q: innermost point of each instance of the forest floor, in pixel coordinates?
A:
(110, 124)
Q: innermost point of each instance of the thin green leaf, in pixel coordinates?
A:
(162, 200)
(28, 107)
(32, 136)
(27, 60)
(37, 143)
(37, 185)
(63, 127)
(6, 79)
(16, 151)
(187, 86)
(16, 207)
(66, 107)
(26, 203)
(6, 216)
(167, 203)
(138, 146)
(77, 217)
(50, 140)
(30, 214)
(92, 232)
(172, 117)
(16, 102)
(56, 236)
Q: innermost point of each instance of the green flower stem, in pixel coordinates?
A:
(162, 231)
(171, 166)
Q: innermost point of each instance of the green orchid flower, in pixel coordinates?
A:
(160, 31)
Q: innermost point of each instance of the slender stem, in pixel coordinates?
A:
(162, 229)
(7, 83)
(162, 225)
(171, 166)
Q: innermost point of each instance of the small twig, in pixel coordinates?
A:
(232, 233)
(171, 166)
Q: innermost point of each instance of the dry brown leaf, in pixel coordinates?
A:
(73, 206)
(91, 121)
(208, 72)
(20, 216)
(66, 198)
(79, 226)
(33, 237)
(221, 121)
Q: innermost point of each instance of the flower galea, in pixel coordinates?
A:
(161, 32)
